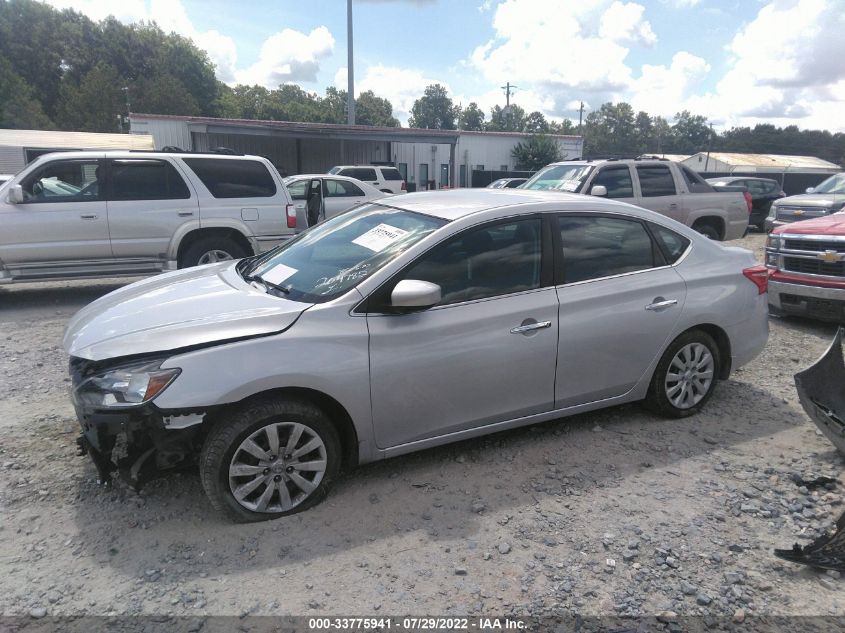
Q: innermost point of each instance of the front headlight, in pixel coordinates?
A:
(126, 386)
(773, 212)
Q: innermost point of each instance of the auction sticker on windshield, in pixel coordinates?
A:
(279, 273)
(379, 237)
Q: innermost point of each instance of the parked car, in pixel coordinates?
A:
(823, 199)
(5, 178)
(764, 191)
(404, 324)
(669, 188)
(318, 197)
(506, 183)
(386, 179)
(807, 264)
(74, 215)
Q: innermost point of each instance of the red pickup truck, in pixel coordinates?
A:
(806, 262)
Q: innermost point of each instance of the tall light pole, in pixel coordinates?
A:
(350, 68)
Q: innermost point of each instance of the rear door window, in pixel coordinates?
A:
(599, 246)
(144, 179)
(695, 183)
(228, 178)
(391, 173)
(342, 189)
(656, 180)
(360, 173)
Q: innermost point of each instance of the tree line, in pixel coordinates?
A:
(61, 70)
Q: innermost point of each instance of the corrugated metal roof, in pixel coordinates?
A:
(74, 140)
(770, 160)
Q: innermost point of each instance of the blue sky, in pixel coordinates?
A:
(734, 61)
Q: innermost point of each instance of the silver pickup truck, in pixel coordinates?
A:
(666, 187)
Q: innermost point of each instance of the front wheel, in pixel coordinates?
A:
(270, 459)
(685, 377)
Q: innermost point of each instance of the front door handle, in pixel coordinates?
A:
(529, 327)
(661, 304)
(185, 214)
(89, 216)
(673, 206)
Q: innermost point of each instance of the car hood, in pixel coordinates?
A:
(827, 225)
(175, 310)
(808, 200)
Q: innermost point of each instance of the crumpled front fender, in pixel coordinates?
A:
(821, 390)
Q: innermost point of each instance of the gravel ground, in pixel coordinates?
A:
(609, 513)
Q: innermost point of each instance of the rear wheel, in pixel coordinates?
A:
(685, 377)
(707, 230)
(208, 250)
(271, 459)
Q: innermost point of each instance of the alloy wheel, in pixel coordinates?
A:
(277, 467)
(689, 376)
(212, 256)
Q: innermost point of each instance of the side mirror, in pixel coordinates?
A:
(598, 190)
(810, 189)
(414, 293)
(16, 194)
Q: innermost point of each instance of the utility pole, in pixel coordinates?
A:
(350, 68)
(508, 88)
(709, 144)
(580, 115)
(128, 107)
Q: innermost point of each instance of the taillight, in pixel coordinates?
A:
(290, 213)
(748, 200)
(404, 187)
(759, 276)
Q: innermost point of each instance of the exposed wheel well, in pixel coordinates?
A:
(714, 221)
(331, 407)
(724, 343)
(222, 232)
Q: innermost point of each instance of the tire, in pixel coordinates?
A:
(207, 250)
(658, 398)
(224, 449)
(709, 231)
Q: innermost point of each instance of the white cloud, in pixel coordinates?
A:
(623, 23)
(286, 56)
(681, 4)
(289, 56)
(661, 89)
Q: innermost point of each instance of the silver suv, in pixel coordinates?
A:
(74, 215)
(403, 324)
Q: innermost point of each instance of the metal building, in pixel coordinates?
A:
(445, 158)
(729, 163)
(20, 147)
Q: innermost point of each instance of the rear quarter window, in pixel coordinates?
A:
(672, 244)
(391, 173)
(227, 178)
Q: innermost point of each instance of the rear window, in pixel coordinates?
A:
(133, 179)
(391, 173)
(228, 178)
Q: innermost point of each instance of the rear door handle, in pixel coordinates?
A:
(185, 214)
(661, 304)
(673, 206)
(528, 327)
(89, 216)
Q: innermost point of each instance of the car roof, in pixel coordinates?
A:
(138, 154)
(458, 203)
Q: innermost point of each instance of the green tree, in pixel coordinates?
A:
(508, 119)
(18, 106)
(472, 118)
(373, 110)
(535, 152)
(610, 130)
(434, 110)
(690, 133)
(643, 133)
(162, 94)
(291, 103)
(563, 127)
(535, 123)
(96, 105)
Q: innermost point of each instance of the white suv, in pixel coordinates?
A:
(94, 214)
(383, 178)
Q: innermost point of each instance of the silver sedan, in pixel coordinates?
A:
(403, 324)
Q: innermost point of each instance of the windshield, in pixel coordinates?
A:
(326, 261)
(334, 170)
(559, 177)
(834, 184)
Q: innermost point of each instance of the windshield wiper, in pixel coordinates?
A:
(267, 284)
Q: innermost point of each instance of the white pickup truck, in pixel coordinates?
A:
(666, 187)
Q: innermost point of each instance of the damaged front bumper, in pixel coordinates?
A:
(821, 390)
(138, 444)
